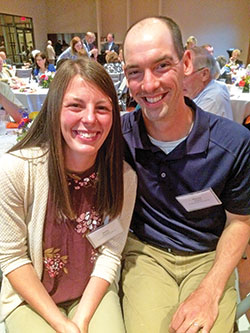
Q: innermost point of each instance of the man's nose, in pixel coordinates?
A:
(150, 82)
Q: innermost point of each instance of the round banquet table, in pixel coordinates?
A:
(33, 101)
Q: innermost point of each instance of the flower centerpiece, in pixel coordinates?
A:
(25, 124)
(245, 83)
(46, 79)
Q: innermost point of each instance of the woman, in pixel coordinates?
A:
(63, 180)
(72, 51)
(42, 65)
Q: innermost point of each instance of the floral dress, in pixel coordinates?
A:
(68, 256)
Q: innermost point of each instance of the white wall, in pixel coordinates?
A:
(221, 23)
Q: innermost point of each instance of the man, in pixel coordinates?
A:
(10, 103)
(193, 177)
(110, 45)
(88, 44)
(50, 53)
(5, 73)
(209, 94)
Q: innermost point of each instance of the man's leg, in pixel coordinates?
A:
(198, 266)
(150, 293)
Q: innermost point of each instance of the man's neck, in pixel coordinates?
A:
(174, 128)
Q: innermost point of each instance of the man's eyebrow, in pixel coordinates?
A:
(164, 57)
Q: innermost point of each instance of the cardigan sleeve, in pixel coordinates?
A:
(109, 259)
(13, 229)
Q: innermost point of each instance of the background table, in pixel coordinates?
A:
(32, 101)
(240, 103)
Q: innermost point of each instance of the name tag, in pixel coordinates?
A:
(199, 200)
(104, 233)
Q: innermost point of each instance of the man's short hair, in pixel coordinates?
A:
(202, 58)
(174, 31)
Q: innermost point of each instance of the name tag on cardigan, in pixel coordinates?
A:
(199, 200)
(104, 233)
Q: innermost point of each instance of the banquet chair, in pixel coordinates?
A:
(23, 72)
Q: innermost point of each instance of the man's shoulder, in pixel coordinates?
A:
(128, 120)
(227, 133)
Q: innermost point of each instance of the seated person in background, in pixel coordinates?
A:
(191, 42)
(88, 44)
(5, 74)
(221, 61)
(82, 53)
(12, 106)
(209, 94)
(42, 65)
(72, 50)
(110, 45)
(113, 63)
(64, 179)
(5, 60)
(234, 60)
(210, 49)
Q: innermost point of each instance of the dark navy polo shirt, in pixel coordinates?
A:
(214, 155)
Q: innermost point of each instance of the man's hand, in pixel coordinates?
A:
(69, 327)
(198, 311)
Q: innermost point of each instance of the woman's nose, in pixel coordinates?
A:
(89, 115)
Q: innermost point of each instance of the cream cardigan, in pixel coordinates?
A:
(23, 201)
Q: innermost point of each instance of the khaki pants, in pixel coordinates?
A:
(107, 318)
(155, 282)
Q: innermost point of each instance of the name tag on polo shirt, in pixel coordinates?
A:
(199, 200)
(104, 233)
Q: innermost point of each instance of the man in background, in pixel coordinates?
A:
(50, 53)
(110, 45)
(88, 44)
(209, 94)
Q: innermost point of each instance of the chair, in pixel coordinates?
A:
(23, 72)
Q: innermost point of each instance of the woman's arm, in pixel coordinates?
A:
(27, 284)
(89, 302)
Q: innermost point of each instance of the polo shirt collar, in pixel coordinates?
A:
(196, 142)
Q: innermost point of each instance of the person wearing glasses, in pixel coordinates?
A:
(191, 222)
(207, 93)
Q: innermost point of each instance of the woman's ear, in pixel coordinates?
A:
(187, 63)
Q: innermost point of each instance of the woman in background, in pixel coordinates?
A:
(42, 65)
(62, 182)
(72, 51)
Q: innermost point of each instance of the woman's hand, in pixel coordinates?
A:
(69, 327)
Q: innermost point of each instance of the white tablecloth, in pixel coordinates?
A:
(240, 103)
(6, 142)
(32, 101)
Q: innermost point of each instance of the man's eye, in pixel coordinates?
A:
(133, 73)
(164, 65)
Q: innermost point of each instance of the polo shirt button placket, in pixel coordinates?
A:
(163, 175)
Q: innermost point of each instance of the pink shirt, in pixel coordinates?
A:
(68, 256)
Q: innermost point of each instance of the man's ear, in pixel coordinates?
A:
(205, 74)
(187, 63)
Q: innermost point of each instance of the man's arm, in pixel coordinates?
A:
(11, 108)
(202, 305)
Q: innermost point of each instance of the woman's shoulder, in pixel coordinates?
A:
(18, 157)
(129, 174)
(51, 68)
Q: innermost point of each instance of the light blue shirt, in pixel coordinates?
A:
(215, 98)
